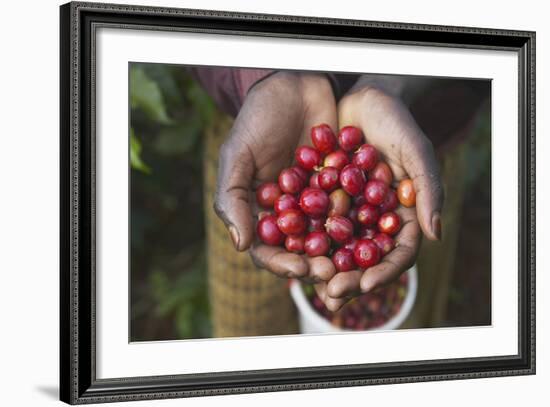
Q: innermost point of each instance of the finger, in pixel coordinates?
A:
(345, 285)
(421, 165)
(232, 197)
(400, 259)
(332, 304)
(279, 261)
(320, 268)
(321, 290)
(318, 113)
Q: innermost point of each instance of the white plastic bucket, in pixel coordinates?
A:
(312, 322)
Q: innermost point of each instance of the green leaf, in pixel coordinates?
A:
(159, 283)
(164, 76)
(178, 139)
(135, 157)
(202, 103)
(145, 94)
(184, 320)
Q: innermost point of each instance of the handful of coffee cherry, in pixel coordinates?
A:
(337, 201)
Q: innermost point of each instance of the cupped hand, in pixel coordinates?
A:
(389, 126)
(276, 117)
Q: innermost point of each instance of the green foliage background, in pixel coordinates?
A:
(169, 298)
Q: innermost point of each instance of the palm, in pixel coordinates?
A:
(275, 119)
(270, 155)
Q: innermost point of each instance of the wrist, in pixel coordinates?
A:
(312, 83)
(246, 79)
(302, 80)
(391, 85)
(372, 96)
(294, 86)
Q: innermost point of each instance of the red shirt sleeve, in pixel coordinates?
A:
(229, 86)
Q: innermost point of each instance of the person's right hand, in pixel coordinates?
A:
(389, 126)
(276, 117)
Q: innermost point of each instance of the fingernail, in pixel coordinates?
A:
(234, 236)
(436, 225)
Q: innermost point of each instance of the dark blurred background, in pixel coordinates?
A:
(168, 266)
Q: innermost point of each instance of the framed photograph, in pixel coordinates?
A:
(255, 203)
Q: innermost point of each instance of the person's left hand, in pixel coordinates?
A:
(276, 117)
(389, 126)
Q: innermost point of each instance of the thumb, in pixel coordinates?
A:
(232, 197)
(421, 165)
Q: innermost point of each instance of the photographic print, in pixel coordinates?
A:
(272, 202)
(241, 192)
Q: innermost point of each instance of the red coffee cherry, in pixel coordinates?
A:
(352, 179)
(314, 180)
(339, 203)
(328, 178)
(295, 244)
(368, 214)
(337, 159)
(366, 254)
(381, 172)
(350, 138)
(343, 259)
(406, 193)
(267, 193)
(389, 223)
(339, 228)
(263, 214)
(292, 222)
(317, 244)
(384, 242)
(323, 138)
(314, 202)
(290, 181)
(366, 157)
(307, 157)
(390, 202)
(304, 175)
(375, 192)
(268, 232)
(285, 201)
(404, 279)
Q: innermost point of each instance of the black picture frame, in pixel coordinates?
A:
(78, 382)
